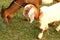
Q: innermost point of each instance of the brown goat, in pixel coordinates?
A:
(8, 13)
(57, 0)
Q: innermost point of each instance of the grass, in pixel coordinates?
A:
(19, 29)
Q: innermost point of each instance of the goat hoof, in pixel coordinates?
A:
(38, 38)
(57, 30)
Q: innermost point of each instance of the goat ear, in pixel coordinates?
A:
(31, 18)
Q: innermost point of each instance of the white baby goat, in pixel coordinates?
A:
(48, 15)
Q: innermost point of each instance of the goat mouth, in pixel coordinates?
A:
(27, 19)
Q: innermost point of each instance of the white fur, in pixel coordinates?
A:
(40, 35)
(58, 28)
(26, 7)
(50, 14)
(30, 13)
(47, 1)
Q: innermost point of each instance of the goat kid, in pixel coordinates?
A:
(31, 12)
(48, 15)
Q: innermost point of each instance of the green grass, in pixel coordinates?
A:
(19, 29)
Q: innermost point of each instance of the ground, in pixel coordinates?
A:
(19, 29)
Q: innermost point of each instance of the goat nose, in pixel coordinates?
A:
(27, 19)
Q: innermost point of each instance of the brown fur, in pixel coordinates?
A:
(9, 12)
(57, 0)
(36, 12)
(54, 23)
(26, 13)
(41, 30)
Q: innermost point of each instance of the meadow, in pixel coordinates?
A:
(19, 29)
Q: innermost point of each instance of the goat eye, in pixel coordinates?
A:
(8, 17)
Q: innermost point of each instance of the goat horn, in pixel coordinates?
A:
(1, 9)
